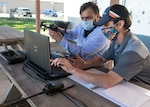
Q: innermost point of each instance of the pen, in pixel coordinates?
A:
(92, 88)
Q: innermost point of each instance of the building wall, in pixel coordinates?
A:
(11, 4)
(71, 10)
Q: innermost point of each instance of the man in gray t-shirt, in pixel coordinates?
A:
(131, 57)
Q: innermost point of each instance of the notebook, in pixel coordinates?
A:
(37, 48)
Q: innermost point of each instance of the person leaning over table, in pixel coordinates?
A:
(90, 41)
(131, 57)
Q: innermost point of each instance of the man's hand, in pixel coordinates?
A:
(78, 62)
(63, 63)
(55, 35)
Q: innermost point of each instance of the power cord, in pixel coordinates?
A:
(72, 99)
(33, 74)
(51, 89)
(76, 101)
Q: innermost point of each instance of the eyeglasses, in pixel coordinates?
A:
(110, 27)
(106, 29)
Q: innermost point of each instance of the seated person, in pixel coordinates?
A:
(131, 57)
(89, 39)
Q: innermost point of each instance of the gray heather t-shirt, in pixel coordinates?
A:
(131, 58)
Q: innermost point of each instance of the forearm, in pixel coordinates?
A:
(101, 80)
(97, 61)
(68, 45)
(70, 35)
(107, 80)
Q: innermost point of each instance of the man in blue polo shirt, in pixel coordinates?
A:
(89, 39)
(131, 57)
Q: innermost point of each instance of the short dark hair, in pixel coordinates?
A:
(123, 13)
(91, 5)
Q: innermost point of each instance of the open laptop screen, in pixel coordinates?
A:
(37, 49)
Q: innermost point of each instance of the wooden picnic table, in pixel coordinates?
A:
(12, 37)
(28, 85)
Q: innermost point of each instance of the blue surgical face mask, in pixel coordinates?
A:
(87, 25)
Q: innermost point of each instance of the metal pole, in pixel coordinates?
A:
(37, 4)
(112, 2)
(95, 1)
(124, 2)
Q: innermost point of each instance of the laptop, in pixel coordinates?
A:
(37, 48)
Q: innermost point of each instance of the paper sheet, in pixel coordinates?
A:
(124, 94)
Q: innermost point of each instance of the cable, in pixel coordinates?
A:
(33, 74)
(20, 100)
(49, 89)
(68, 87)
(77, 102)
(48, 92)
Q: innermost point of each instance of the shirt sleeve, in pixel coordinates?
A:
(94, 43)
(109, 54)
(129, 65)
(72, 34)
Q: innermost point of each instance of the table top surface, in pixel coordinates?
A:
(10, 34)
(29, 85)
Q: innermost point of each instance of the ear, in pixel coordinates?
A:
(121, 23)
(97, 17)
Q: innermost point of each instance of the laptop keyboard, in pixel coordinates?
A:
(56, 71)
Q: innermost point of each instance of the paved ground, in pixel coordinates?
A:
(33, 16)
